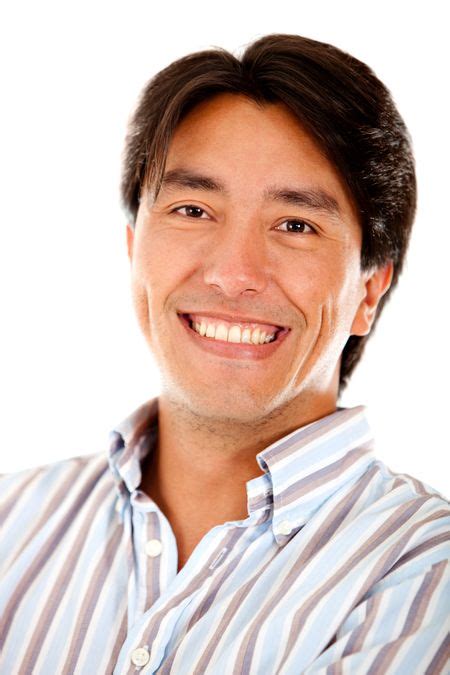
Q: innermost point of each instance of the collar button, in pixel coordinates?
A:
(140, 656)
(285, 527)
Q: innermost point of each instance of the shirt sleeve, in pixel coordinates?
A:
(401, 627)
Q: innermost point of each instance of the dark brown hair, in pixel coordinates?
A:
(336, 97)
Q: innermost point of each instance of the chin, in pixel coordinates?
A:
(237, 407)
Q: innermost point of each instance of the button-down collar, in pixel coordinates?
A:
(130, 442)
(301, 470)
(312, 463)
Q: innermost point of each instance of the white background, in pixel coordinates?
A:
(73, 362)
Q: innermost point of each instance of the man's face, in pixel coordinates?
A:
(251, 250)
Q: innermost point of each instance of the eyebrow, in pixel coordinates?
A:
(312, 198)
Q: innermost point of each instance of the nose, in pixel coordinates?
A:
(237, 263)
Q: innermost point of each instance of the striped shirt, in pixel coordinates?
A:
(342, 566)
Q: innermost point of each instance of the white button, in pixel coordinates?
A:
(118, 506)
(140, 656)
(285, 527)
(153, 548)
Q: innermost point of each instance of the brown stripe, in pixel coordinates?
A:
(10, 503)
(118, 644)
(227, 618)
(358, 635)
(148, 423)
(260, 501)
(132, 452)
(383, 565)
(44, 554)
(423, 597)
(385, 656)
(59, 587)
(395, 521)
(440, 659)
(332, 524)
(337, 518)
(418, 550)
(154, 567)
(309, 435)
(228, 541)
(318, 478)
(225, 573)
(90, 599)
(317, 431)
(142, 431)
(322, 535)
(236, 600)
(63, 492)
(419, 487)
(201, 610)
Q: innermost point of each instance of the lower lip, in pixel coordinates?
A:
(234, 350)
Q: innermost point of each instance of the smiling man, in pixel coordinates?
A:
(247, 284)
(241, 522)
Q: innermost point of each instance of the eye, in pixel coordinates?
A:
(191, 210)
(296, 227)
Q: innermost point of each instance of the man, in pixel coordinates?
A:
(241, 522)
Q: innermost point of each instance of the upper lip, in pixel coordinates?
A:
(233, 317)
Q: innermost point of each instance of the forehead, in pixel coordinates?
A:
(249, 146)
(235, 115)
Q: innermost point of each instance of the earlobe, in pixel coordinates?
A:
(376, 284)
(130, 239)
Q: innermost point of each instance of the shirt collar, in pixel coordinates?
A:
(310, 464)
(129, 443)
(301, 470)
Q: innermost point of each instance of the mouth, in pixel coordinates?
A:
(234, 338)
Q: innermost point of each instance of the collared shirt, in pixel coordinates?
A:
(342, 565)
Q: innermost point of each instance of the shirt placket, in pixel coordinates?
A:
(154, 555)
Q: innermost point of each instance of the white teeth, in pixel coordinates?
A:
(255, 336)
(234, 334)
(246, 335)
(221, 332)
(211, 330)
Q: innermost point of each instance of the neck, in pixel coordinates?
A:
(205, 462)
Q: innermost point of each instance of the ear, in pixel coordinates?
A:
(130, 240)
(375, 284)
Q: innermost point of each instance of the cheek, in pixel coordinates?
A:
(344, 299)
(163, 261)
(146, 278)
(140, 303)
(308, 280)
(153, 263)
(322, 288)
(165, 252)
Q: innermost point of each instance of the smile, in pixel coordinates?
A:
(232, 331)
(235, 338)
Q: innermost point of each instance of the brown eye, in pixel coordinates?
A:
(191, 210)
(297, 227)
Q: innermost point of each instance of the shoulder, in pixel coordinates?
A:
(412, 519)
(398, 559)
(399, 489)
(32, 487)
(411, 484)
(52, 470)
